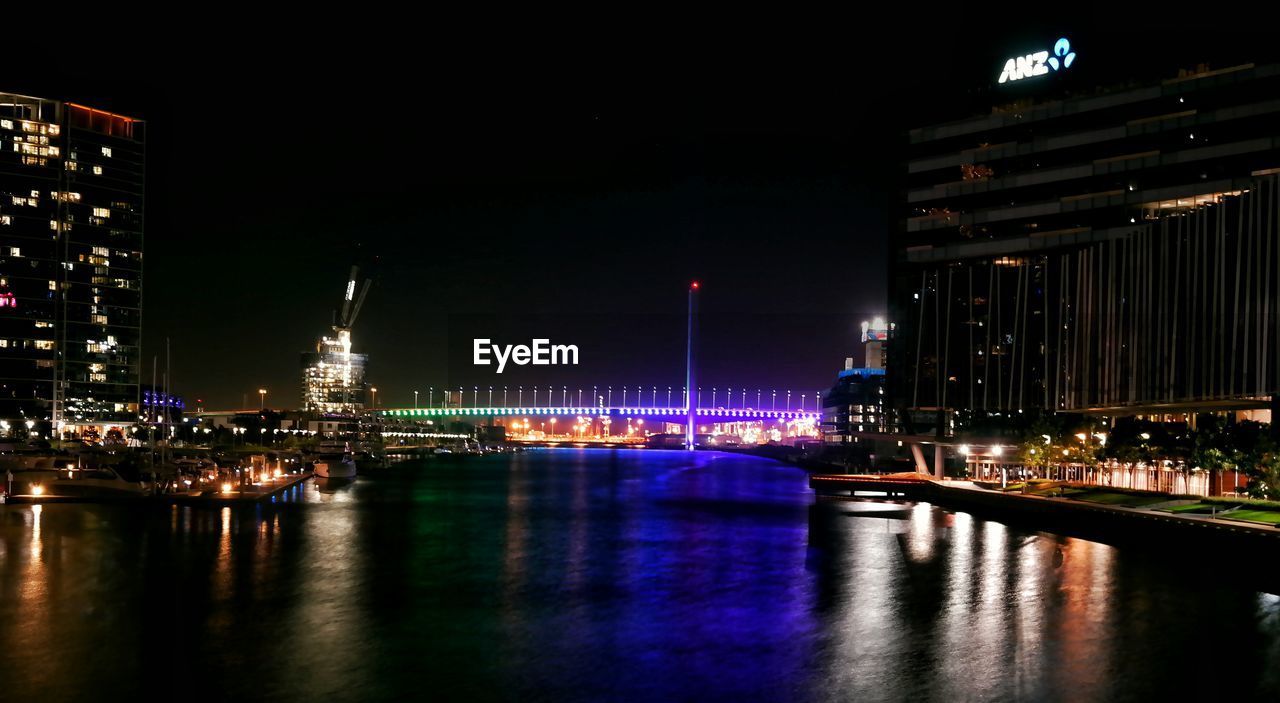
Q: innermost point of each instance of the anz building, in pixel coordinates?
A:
(71, 197)
(1090, 247)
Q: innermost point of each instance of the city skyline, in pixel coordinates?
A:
(871, 354)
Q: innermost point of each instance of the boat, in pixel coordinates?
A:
(334, 460)
(102, 482)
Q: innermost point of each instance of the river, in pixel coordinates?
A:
(588, 575)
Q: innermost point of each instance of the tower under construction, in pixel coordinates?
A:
(332, 376)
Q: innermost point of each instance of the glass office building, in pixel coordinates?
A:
(1111, 250)
(71, 235)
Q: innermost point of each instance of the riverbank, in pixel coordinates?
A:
(1153, 523)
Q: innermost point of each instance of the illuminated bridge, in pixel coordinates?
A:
(714, 414)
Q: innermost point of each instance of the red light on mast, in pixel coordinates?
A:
(694, 285)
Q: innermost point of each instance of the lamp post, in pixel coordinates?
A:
(375, 397)
(262, 398)
(415, 400)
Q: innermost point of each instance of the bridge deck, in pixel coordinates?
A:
(744, 414)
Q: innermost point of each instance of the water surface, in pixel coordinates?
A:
(594, 575)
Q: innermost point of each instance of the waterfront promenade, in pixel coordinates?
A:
(1148, 514)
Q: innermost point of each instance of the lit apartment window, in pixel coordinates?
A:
(102, 212)
(97, 170)
(44, 344)
(106, 151)
(98, 319)
(7, 124)
(4, 344)
(6, 220)
(97, 378)
(15, 251)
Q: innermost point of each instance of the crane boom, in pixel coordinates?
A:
(347, 297)
(355, 311)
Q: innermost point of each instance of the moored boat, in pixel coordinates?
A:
(102, 482)
(334, 460)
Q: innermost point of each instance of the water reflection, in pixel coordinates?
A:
(595, 574)
(988, 612)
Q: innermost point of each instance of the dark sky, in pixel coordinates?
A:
(499, 178)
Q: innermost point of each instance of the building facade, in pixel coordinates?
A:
(333, 377)
(71, 242)
(1106, 250)
(855, 404)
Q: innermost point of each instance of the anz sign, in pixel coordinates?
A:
(1039, 63)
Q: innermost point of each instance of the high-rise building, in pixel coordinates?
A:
(1110, 250)
(333, 380)
(856, 403)
(333, 377)
(71, 217)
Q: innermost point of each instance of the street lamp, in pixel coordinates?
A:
(375, 397)
(262, 398)
(415, 400)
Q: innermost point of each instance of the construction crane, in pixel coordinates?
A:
(332, 372)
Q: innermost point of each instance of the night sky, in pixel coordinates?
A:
(486, 178)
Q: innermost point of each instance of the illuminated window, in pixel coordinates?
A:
(97, 170)
(44, 344)
(102, 212)
(97, 378)
(15, 251)
(98, 319)
(106, 151)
